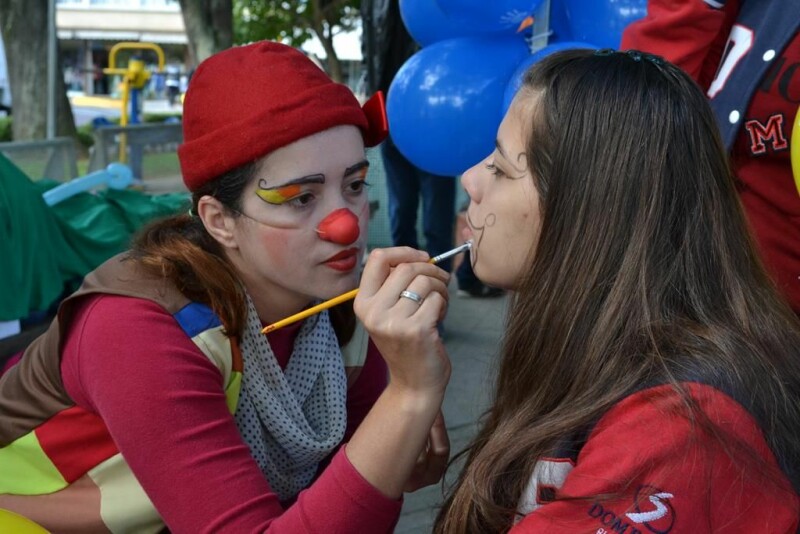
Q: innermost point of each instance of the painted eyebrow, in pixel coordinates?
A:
(310, 179)
(505, 156)
(364, 164)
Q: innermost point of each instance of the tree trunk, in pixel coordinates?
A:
(21, 23)
(334, 65)
(209, 26)
(324, 31)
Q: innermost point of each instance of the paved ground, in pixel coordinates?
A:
(472, 336)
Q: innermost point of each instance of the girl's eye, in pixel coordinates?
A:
(494, 170)
(301, 200)
(357, 186)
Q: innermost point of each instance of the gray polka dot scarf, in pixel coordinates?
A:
(292, 419)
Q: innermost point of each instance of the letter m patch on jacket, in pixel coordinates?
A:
(772, 133)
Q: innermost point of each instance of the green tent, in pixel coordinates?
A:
(45, 251)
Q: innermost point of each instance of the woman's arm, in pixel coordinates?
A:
(163, 403)
(361, 397)
(386, 446)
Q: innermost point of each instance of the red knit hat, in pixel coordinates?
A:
(247, 101)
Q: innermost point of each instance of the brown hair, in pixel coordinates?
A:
(180, 249)
(643, 275)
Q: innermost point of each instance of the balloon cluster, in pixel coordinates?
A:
(447, 101)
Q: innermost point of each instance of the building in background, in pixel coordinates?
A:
(87, 29)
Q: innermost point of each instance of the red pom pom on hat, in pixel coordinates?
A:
(247, 101)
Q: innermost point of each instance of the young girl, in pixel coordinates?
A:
(649, 372)
(154, 400)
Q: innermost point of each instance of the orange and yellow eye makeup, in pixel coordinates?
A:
(284, 193)
(280, 195)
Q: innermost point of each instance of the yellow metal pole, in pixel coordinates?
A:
(112, 54)
(133, 74)
(123, 121)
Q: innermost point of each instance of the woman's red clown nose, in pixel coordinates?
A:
(340, 227)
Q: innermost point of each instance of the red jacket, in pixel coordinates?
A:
(746, 55)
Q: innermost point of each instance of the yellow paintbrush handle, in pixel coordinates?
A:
(310, 311)
(347, 296)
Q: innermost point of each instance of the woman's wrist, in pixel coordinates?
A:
(414, 401)
(385, 447)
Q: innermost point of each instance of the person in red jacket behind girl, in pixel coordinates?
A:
(650, 373)
(154, 399)
(746, 55)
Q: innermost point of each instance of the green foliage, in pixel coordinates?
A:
(159, 117)
(85, 137)
(5, 129)
(84, 132)
(291, 21)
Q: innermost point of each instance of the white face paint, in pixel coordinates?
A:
(280, 255)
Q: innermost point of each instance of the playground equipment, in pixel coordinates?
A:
(134, 78)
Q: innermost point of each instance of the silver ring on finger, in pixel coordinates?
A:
(416, 297)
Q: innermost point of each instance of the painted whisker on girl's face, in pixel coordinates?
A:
(479, 232)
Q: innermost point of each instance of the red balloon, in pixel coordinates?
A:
(340, 226)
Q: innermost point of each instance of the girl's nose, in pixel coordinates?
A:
(340, 227)
(469, 181)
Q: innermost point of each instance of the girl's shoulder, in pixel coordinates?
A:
(653, 464)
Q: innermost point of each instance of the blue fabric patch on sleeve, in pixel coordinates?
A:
(195, 318)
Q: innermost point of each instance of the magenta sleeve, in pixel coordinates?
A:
(164, 405)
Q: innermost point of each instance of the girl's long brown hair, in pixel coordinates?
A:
(643, 274)
(180, 249)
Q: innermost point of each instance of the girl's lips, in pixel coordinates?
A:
(345, 260)
(344, 265)
(466, 233)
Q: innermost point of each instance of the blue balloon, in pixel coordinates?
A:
(445, 103)
(602, 21)
(489, 15)
(559, 23)
(516, 79)
(427, 24)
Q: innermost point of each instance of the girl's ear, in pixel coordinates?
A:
(218, 222)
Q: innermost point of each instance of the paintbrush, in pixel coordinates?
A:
(350, 295)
